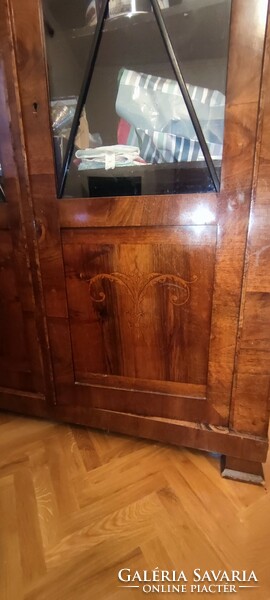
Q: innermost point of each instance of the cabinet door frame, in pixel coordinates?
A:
(17, 224)
(227, 210)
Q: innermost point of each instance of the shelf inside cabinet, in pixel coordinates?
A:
(166, 178)
(193, 27)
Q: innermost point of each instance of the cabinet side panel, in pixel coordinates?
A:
(15, 366)
(20, 216)
(20, 357)
(242, 102)
(250, 409)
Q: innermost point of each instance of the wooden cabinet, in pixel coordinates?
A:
(24, 367)
(151, 311)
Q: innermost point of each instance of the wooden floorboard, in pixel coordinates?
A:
(77, 505)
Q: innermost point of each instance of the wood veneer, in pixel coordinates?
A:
(152, 313)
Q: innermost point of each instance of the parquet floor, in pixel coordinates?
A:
(77, 505)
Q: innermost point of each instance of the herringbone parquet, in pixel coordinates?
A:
(77, 505)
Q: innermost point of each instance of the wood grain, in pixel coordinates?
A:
(139, 303)
(250, 407)
(145, 217)
(243, 93)
(107, 273)
(169, 431)
(127, 503)
(19, 212)
(4, 224)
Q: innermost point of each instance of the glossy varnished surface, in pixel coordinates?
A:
(243, 90)
(125, 286)
(251, 387)
(230, 218)
(142, 296)
(20, 356)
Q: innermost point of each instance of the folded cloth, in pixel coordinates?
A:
(160, 122)
(108, 157)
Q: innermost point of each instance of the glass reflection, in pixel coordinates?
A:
(203, 56)
(135, 134)
(66, 65)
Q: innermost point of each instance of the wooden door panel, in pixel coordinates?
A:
(186, 403)
(139, 303)
(127, 211)
(21, 321)
(111, 357)
(15, 367)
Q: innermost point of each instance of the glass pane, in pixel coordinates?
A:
(66, 60)
(199, 32)
(135, 134)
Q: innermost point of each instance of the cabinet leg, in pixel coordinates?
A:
(242, 470)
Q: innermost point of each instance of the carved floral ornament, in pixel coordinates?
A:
(136, 285)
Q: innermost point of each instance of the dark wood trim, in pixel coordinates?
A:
(246, 471)
(142, 403)
(4, 220)
(129, 212)
(251, 386)
(242, 113)
(187, 390)
(179, 433)
(11, 393)
(25, 205)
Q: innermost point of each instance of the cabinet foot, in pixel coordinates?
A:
(242, 470)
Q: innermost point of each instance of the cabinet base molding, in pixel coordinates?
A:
(246, 471)
(169, 431)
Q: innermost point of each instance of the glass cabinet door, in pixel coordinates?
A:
(137, 94)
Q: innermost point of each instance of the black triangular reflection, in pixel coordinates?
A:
(175, 74)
